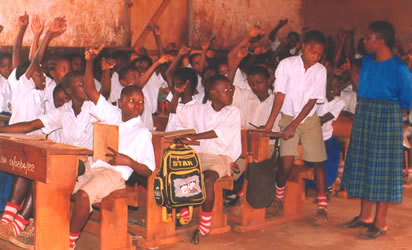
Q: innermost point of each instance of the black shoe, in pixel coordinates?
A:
(373, 233)
(231, 202)
(356, 222)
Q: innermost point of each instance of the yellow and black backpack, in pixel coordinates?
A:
(179, 182)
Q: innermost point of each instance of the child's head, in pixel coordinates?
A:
(184, 75)
(293, 39)
(314, 44)
(121, 59)
(142, 63)
(131, 102)
(380, 34)
(72, 84)
(59, 68)
(5, 64)
(195, 62)
(222, 68)
(59, 96)
(219, 90)
(38, 77)
(258, 80)
(77, 62)
(128, 76)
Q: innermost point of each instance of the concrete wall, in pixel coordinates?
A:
(232, 19)
(89, 22)
(329, 15)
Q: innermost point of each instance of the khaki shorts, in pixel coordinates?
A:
(99, 183)
(309, 134)
(218, 163)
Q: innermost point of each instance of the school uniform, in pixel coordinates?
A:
(373, 166)
(240, 80)
(5, 95)
(218, 153)
(299, 86)
(151, 92)
(135, 141)
(171, 123)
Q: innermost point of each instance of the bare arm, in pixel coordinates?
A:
(22, 127)
(254, 32)
(106, 81)
(89, 85)
(289, 131)
(156, 34)
(37, 28)
(272, 34)
(122, 159)
(232, 67)
(325, 118)
(141, 82)
(23, 23)
(341, 39)
(172, 67)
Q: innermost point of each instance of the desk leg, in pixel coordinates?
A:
(52, 203)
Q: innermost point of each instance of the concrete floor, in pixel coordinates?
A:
(302, 234)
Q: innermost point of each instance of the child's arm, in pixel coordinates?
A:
(184, 50)
(253, 33)
(341, 43)
(156, 34)
(141, 82)
(290, 130)
(277, 105)
(22, 127)
(106, 65)
(23, 23)
(325, 118)
(241, 53)
(57, 27)
(211, 134)
(89, 85)
(202, 61)
(1, 28)
(37, 28)
(272, 34)
(122, 159)
(178, 91)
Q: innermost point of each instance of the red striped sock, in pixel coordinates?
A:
(184, 213)
(205, 223)
(240, 193)
(280, 193)
(19, 224)
(10, 212)
(410, 171)
(322, 201)
(72, 239)
(341, 167)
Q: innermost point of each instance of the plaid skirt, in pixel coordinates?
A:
(373, 166)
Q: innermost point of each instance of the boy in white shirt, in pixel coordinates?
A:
(300, 84)
(217, 126)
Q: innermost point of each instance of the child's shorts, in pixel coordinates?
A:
(309, 133)
(218, 163)
(98, 183)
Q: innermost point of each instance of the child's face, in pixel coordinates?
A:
(62, 68)
(223, 69)
(223, 93)
(39, 78)
(77, 64)
(132, 105)
(371, 42)
(196, 63)
(312, 53)
(259, 84)
(60, 98)
(5, 67)
(77, 88)
(142, 66)
(208, 73)
(131, 78)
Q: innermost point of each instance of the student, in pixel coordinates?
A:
(300, 84)
(58, 68)
(217, 126)
(373, 166)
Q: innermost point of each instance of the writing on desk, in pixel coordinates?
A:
(18, 164)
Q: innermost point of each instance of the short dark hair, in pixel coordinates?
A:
(211, 83)
(124, 71)
(131, 89)
(21, 69)
(384, 30)
(193, 56)
(295, 35)
(5, 55)
(187, 74)
(258, 70)
(67, 80)
(315, 36)
(143, 58)
(58, 87)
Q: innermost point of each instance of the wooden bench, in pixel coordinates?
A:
(113, 209)
(250, 218)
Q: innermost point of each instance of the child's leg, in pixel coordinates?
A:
(282, 176)
(18, 192)
(210, 178)
(320, 180)
(81, 210)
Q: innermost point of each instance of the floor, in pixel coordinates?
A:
(301, 234)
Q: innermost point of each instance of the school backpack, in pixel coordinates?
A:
(179, 182)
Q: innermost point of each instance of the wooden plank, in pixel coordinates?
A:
(104, 135)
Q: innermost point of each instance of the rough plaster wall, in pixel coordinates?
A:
(232, 19)
(89, 22)
(329, 15)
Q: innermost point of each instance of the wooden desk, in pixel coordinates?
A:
(4, 119)
(53, 168)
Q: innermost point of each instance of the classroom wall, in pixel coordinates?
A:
(232, 19)
(330, 15)
(89, 22)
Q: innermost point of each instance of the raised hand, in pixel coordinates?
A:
(256, 31)
(24, 20)
(91, 53)
(242, 52)
(163, 59)
(58, 26)
(118, 158)
(37, 26)
(107, 64)
(283, 22)
(184, 50)
(181, 89)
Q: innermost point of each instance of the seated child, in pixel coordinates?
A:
(217, 126)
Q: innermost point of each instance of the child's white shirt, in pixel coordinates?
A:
(135, 140)
(171, 123)
(300, 85)
(5, 95)
(334, 107)
(225, 123)
(151, 92)
(240, 80)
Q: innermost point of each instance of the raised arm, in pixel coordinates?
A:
(141, 82)
(23, 23)
(184, 50)
(106, 81)
(156, 33)
(89, 85)
(232, 67)
(56, 28)
(253, 33)
(37, 27)
(272, 34)
(341, 43)
(22, 127)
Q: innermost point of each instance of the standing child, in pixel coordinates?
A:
(373, 166)
(300, 84)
